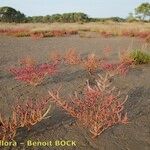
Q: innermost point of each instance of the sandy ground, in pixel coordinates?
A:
(60, 126)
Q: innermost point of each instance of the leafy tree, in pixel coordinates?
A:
(116, 19)
(47, 19)
(56, 18)
(20, 17)
(81, 17)
(143, 11)
(8, 14)
(36, 19)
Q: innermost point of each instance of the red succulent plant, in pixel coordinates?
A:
(98, 108)
(24, 114)
(91, 63)
(33, 74)
(72, 57)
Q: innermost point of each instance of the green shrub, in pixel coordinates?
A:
(140, 57)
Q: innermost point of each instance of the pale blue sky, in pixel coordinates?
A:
(94, 8)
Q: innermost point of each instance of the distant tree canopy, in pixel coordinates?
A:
(8, 14)
(143, 11)
(66, 17)
(115, 19)
(70, 18)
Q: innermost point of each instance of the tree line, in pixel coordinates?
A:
(9, 14)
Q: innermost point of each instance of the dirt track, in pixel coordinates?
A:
(134, 136)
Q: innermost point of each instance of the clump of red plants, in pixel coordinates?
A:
(33, 73)
(72, 57)
(127, 33)
(122, 67)
(98, 108)
(24, 114)
(27, 61)
(60, 33)
(36, 35)
(91, 63)
(22, 32)
(18, 32)
(142, 34)
(56, 57)
(94, 63)
(107, 34)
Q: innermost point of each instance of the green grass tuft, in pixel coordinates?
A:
(140, 57)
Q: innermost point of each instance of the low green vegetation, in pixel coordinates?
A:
(140, 57)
